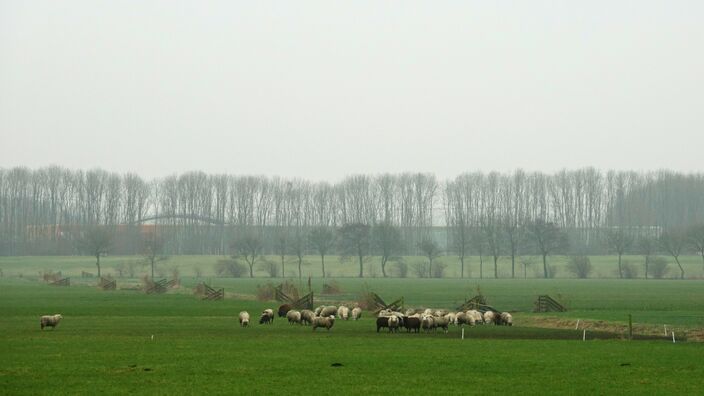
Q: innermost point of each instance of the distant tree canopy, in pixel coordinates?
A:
(46, 210)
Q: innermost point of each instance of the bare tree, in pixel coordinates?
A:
(431, 250)
(479, 242)
(248, 247)
(548, 238)
(673, 241)
(153, 251)
(298, 244)
(648, 247)
(322, 239)
(387, 243)
(619, 241)
(281, 248)
(354, 241)
(494, 241)
(97, 242)
(696, 239)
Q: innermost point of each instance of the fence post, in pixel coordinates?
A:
(630, 326)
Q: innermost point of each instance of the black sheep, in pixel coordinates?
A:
(283, 310)
(411, 324)
(382, 321)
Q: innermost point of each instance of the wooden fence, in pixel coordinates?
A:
(107, 284)
(546, 303)
(61, 282)
(208, 293)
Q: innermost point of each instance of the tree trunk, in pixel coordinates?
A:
(283, 266)
(677, 259)
(383, 266)
(647, 261)
(152, 262)
(430, 267)
(251, 270)
(461, 266)
(513, 265)
(322, 260)
(300, 273)
(97, 263)
(481, 267)
(361, 267)
(545, 266)
(496, 267)
(620, 268)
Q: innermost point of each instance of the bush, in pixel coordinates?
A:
(657, 267)
(580, 266)
(265, 292)
(420, 269)
(270, 267)
(230, 268)
(630, 270)
(401, 269)
(439, 270)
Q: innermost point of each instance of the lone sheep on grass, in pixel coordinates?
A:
(267, 317)
(244, 318)
(356, 313)
(50, 321)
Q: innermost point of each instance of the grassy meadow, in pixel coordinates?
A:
(104, 343)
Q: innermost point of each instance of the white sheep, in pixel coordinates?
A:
(506, 319)
(427, 323)
(393, 323)
(478, 319)
(267, 317)
(343, 312)
(489, 317)
(329, 310)
(293, 317)
(428, 312)
(244, 318)
(50, 321)
(307, 316)
(324, 321)
(451, 318)
(356, 313)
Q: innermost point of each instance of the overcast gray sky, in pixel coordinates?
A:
(323, 89)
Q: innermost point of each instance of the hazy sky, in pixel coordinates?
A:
(325, 89)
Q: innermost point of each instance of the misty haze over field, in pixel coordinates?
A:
(322, 90)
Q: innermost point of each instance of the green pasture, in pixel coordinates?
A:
(104, 344)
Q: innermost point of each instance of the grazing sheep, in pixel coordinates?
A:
(412, 323)
(283, 310)
(356, 313)
(461, 318)
(440, 312)
(307, 316)
(329, 310)
(451, 318)
(489, 317)
(50, 321)
(343, 312)
(478, 319)
(293, 317)
(382, 321)
(317, 310)
(393, 323)
(267, 317)
(506, 319)
(244, 318)
(324, 321)
(428, 312)
(384, 313)
(427, 323)
(410, 311)
(441, 322)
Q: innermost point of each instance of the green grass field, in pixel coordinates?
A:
(104, 343)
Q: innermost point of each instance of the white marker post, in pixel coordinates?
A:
(577, 326)
(665, 326)
(584, 335)
(673, 337)
(463, 332)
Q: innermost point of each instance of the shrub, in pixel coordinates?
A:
(630, 270)
(230, 268)
(580, 266)
(420, 269)
(658, 267)
(271, 268)
(401, 269)
(265, 292)
(439, 270)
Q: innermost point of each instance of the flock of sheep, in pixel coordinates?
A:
(413, 320)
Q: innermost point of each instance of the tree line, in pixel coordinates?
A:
(493, 215)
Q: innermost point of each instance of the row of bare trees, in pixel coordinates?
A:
(487, 214)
